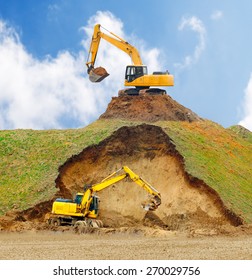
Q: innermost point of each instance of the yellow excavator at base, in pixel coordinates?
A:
(84, 209)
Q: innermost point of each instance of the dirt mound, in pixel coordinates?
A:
(149, 108)
(187, 203)
(31, 218)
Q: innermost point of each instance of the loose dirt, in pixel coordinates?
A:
(148, 109)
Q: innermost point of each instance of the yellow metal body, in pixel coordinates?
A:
(72, 209)
(83, 202)
(163, 80)
(145, 81)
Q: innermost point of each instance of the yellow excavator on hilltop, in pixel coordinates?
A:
(84, 209)
(136, 75)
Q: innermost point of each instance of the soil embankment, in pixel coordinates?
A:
(188, 204)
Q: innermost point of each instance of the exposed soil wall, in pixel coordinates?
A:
(150, 153)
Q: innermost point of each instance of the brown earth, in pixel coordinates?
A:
(148, 109)
(134, 244)
(188, 205)
(100, 71)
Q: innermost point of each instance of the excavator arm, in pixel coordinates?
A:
(114, 178)
(156, 197)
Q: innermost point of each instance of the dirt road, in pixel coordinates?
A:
(122, 246)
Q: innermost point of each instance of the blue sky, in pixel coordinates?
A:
(43, 48)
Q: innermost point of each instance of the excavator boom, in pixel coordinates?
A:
(116, 177)
(100, 73)
(114, 40)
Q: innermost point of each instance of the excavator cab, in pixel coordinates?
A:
(133, 72)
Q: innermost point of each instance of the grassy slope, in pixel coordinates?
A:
(30, 160)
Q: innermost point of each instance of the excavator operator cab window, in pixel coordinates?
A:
(78, 199)
(133, 72)
(94, 204)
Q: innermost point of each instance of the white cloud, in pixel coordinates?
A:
(216, 15)
(37, 93)
(55, 92)
(197, 26)
(247, 106)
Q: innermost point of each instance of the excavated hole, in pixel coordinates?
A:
(186, 201)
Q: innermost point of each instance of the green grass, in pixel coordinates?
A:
(30, 160)
(242, 132)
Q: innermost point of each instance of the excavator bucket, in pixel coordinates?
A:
(96, 75)
(152, 204)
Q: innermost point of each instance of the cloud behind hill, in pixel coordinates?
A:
(247, 106)
(55, 92)
(197, 26)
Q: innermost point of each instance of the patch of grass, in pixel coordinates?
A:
(242, 132)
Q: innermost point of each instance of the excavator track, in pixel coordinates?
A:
(141, 92)
(152, 91)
